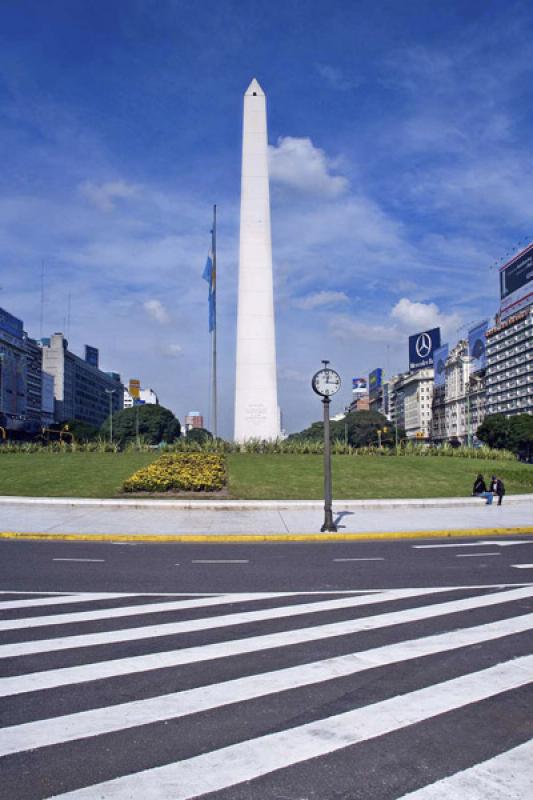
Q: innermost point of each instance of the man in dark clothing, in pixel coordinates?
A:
(480, 490)
(497, 488)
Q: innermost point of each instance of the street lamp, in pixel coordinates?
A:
(399, 397)
(463, 361)
(2, 356)
(111, 392)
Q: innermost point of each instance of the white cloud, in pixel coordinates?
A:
(298, 164)
(103, 195)
(172, 350)
(413, 316)
(336, 79)
(157, 311)
(319, 299)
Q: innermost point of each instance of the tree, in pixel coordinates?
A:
(199, 435)
(511, 433)
(521, 436)
(359, 428)
(152, 423)
(82, 431)
(494, 431)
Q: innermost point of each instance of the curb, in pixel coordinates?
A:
(255, 505)
(265, 537)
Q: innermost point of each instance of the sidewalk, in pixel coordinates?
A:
(241, 520)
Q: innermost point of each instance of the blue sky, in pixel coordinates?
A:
(401, 172)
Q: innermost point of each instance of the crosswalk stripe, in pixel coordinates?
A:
(38, 681)
(64, 599)
(131, 611)
(232, 765)
(98, 721)
(507, 775)
(205, 623)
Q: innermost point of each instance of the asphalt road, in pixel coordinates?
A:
(126, 567)
(375, 670)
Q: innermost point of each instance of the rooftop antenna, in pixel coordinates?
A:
(67, 332)
(42, 301)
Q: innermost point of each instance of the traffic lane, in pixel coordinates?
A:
(322, 566)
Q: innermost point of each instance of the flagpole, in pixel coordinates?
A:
(214, 331)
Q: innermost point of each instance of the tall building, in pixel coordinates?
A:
(410, 403)
(13, 391)
(509, 376)
(256, 396)
(193, 420)
(81, 390)
(135, 395)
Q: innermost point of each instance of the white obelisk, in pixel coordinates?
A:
(256, 394)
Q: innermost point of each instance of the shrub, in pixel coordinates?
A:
(189, 472)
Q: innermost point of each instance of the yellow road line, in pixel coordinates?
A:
(266, 537)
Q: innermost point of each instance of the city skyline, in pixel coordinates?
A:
(400, 164)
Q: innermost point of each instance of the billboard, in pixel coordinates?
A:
(375, 381)
(421, 348)
(477, 346)
(135, 388)
(516, 283)
(91, 355)
(10, 324)
(439, 356)
(359, 386)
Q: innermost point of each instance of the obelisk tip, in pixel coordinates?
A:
(254, 89)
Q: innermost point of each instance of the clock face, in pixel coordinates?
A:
(326, 382)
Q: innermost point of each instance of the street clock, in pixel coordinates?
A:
(326, 382)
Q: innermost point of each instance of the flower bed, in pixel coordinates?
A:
(187, 472)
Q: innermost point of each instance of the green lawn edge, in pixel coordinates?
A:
(264, 476)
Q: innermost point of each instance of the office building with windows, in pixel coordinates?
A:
(509, 376)
(81, 390)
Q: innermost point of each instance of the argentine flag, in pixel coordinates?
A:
(209, 275)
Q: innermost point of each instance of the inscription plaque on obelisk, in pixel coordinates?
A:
(256, 395)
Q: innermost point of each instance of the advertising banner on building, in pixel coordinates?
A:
(516, 283)
(439, 357)
(421, 348)
(359, 385)
(375, 381)
(135, 388)
(10, 324)
(91, 355)
(477, 346)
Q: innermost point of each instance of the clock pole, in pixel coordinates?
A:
(328, 525)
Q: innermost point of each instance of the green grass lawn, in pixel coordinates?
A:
(358, 477)
(68, 474)
(264, 477)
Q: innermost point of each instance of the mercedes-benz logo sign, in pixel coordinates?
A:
(423, 345)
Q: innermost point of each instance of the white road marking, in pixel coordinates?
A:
(499, 543)
(98, 721)
(205, 623)
(476, 555)
(64, 599)
(220, 561)
(522, 566)
(126, 544)
(359, 559)
(79, 559)
(133, 611)
(37, 681)
(508, 775)
(251, 759)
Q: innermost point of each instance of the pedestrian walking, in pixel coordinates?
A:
(480, 489)
(497, 488)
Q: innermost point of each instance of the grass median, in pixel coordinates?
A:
(264, 477)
